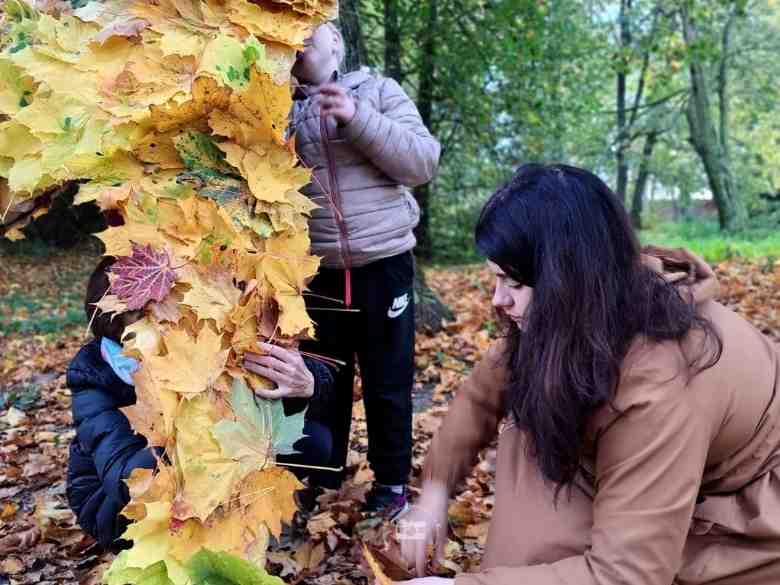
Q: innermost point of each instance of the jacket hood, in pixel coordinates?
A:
(688, 272)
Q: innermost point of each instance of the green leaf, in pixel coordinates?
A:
(199, 153)
(286, 429)
(120, 574)
(230, 60)
(259, 429)
(248, 438)
(212, 568)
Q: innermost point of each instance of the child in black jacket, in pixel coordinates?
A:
(105, 449)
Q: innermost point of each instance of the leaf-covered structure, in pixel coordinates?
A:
(172, 116)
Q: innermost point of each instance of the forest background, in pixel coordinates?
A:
(673, 103)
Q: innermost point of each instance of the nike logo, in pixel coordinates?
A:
(399, 306)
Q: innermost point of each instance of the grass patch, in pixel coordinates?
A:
(43, 288)
(706, 239)
(22, 313)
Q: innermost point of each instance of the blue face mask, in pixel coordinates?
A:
(123, 366)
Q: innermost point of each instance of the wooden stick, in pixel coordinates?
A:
(310, 294)
(7, 209)
(94, 313)
(301, 465)
(322, 358)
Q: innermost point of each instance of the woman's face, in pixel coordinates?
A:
(315, 62)
(510, 297)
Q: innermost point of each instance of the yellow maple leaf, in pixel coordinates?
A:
(142, 339)
(267, 497)
(17, 141)
(191, 365)
(150, 536)
(117, 239)
(149, 485)
(61, 77)
(212, 294)
(264, 104)
(15, 88)
(153, 412)
(281, 26)
(52, 114)
(158, 148)
(270, 171)
(207, 476)
(206, 94)
(243, 323)
(223, 532)
(179, 40)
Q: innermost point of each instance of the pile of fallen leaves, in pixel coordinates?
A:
(330, 550)
(172, 117)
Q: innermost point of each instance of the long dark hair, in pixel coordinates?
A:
(562, 231)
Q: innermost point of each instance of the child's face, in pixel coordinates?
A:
(319, 59)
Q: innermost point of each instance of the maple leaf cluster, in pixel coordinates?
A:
(172, 115)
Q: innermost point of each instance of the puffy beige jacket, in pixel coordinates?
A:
(384, 150)
(681, 479)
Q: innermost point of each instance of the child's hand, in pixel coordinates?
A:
(335, 102)
(284, 367)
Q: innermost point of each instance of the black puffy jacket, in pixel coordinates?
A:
(105, 449)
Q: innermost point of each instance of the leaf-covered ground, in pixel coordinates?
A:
(42, 326)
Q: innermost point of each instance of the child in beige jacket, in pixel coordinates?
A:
(367, 145)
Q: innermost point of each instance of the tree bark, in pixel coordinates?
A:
(622, 129)
(354, 42)
(425, 98)
(429, 312)
(392, 41)
(638, 199)
(707, 141)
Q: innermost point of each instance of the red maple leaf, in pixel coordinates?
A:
(143, 276)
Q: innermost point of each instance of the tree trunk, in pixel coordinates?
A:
(707, 142)
(685, 202)
(392, 41)
(622, 139)
(637, 202)
(354, 42)
(429, 312)
(425, 99)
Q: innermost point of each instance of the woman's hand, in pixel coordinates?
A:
(334, 101)
(425, 524)
(428, 581)
(286, 368)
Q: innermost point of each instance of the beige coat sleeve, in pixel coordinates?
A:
(395, 138)
(471, 422)
(649, 464)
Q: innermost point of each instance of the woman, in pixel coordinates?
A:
(641, 435)
(105, 449)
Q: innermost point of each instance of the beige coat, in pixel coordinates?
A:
(683, 487)
(382, 151)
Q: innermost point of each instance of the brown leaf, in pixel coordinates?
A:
(9, 511)
(20, 541)
(376, 569)
(11, 566)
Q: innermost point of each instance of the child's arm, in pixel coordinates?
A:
(394, 138)
(104, 433)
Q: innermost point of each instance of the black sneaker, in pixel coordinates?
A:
(383, 502)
